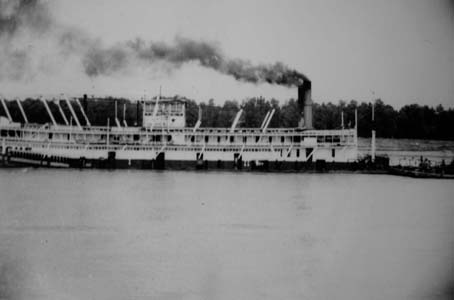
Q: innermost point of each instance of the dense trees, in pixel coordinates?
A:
(411, 121)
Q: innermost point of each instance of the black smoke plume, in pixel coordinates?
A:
(17, 16)
(16, 19)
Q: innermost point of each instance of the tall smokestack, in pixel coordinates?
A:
(305, 103)
(85, 102)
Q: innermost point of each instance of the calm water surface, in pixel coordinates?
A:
(68, 234)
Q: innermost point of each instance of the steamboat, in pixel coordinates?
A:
(163, 141)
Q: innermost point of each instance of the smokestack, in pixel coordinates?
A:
(85, 102)
(305, 103)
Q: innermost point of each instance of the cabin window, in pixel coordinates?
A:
(50, 135)
(244, 139)
(192, 139)
(232, 139)
(219, 139)
(270, 139)
(257, 139)
(282, 139)
(206, 139)
(136, 137)
(333, 152)
(169, 138)
(297, 152)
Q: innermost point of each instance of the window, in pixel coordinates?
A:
(282, 139)
(333, 152)
(297, 152)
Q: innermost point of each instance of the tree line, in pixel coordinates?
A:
(411, 121)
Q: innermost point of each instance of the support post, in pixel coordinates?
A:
(265, 119)
(155, 110)
(124, 115)
(235, 121)
(83, 112)
(108, 129)
(8, 115)
(117, 122)
(373, 135)
(22, 110)
(199, 120)
(342, 120)
(73, 113)
(268, 121)
(65, 119)
(48, 111)
(356, 127)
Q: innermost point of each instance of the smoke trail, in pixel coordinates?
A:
(33, 17)
(17, 20)
(105, 61)
(23, 14)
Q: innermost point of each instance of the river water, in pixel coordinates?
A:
(69, 234)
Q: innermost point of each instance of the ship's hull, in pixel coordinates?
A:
(165, 164)
(284, 158)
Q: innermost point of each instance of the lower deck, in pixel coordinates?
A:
(162, 156)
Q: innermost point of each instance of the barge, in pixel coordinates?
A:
(163, 141)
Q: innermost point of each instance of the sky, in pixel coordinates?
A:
(400, 51)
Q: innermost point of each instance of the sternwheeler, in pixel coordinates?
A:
(163, 141)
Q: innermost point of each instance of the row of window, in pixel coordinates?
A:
(327, 139)
(281, 151)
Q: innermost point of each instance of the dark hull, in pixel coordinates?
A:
(14, 159)
(415, 173)
(160, 163)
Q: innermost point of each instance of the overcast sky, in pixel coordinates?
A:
(399, 51)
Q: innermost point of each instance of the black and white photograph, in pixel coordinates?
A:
(226, 149)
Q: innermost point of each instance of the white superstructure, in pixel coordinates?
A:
(163, 141)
